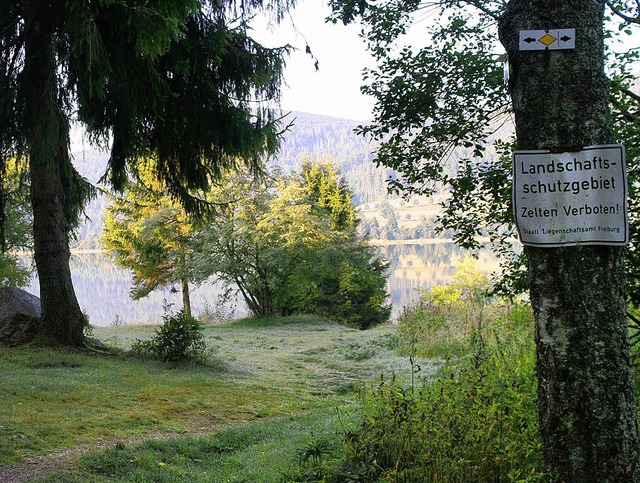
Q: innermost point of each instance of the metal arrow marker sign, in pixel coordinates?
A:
(548, 39)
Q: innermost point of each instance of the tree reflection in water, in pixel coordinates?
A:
(103, 288)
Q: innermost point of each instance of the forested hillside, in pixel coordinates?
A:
(311, 137)
(328, 138)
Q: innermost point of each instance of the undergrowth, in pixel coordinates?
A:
(475, 421)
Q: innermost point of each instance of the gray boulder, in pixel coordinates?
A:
(20, 316)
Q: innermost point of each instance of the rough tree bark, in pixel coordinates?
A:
(586, 399)
(48, 140)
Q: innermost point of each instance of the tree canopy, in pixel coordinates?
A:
(152, 235)
(289, 245)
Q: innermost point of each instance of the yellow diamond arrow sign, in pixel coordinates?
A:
(548, 39)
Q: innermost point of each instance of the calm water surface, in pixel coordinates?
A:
(103, 288)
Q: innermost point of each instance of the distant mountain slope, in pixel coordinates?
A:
(333, 139)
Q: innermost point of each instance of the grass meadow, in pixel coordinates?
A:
(267, 397)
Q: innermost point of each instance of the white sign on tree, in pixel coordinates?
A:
(577, 198)
(557, 39)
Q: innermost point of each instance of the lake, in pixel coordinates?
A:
(103, 288)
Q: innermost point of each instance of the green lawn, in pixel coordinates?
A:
(270, 387)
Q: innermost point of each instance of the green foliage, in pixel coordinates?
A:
(313, 456)
(447, 319)
(477, 421)
(443, 114)
(331, 193)
(342, 280)
(12, 273)
(441, 106)
(179, 339)
(289, 244)
(150, 234)
(180, 82)
(634, 343)
(15, 222)
(626, 113)
(261, 235)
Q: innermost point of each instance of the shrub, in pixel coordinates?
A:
(179, 339)
(349, 286)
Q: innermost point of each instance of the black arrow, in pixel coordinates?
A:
(529, 40)
(565, 38)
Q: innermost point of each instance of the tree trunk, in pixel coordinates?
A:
(186, 299)
(48, 140)
(586, 399)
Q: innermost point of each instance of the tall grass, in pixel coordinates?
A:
(475, 422)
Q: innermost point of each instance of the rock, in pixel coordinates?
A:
(20, 316)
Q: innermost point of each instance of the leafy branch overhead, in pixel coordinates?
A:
(443, 116)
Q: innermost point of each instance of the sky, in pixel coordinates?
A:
(334, 89)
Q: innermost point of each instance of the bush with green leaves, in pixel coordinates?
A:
(345, 282)
(179, 339)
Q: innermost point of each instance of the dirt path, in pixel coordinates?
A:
(39, 466)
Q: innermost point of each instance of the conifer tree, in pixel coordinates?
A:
(171, 79)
